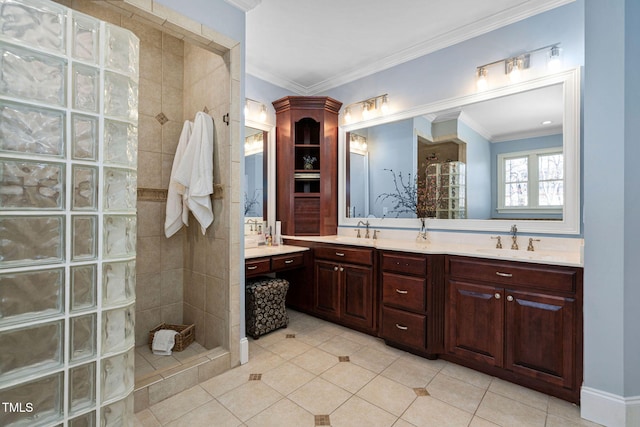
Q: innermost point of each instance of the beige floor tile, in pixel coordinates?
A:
(207, 415)
(270, 338)
(176, 406)
(348, 376)
(480, 422)
(249, 399)
(455, 392)
(429, 412)
(557, 421)
(262, 363)
(341, 346)
(359, 412)
(372, 359)
(217, 386)
(570, 411)
(410, 371)
(289, 348)
(360, 338)
(389, 395)
(287, 378)
(145, 419)
(506, 412)
(521, 394)
(315, 361)
(317, 336)
(467, 375)
(283, 413)
(402, 423)
(142, 367)
(319, 396)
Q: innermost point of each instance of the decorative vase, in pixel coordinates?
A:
(308, 165)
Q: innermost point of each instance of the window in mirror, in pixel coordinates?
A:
(531, 181)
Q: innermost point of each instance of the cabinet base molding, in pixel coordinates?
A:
(609, 409)
(541, 386)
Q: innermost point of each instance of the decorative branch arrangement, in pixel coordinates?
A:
(250, 202)
(411, 195)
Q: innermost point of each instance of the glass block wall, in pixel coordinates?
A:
(68, 159)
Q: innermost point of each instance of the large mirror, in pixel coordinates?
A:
(481, 162)
(258, 186)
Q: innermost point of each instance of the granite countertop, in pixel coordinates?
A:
(264, 251)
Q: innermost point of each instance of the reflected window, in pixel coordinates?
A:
(532, 180)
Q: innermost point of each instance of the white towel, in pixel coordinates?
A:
(195, 171)
(177, 212)
(163, 342)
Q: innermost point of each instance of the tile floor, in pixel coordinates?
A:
(148, 363)
(315, 373)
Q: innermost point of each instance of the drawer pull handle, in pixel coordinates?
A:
(401, 327)
(402, 291)
(340, 253)
(288, 261)
(252, 267)
(509, 298)
(504, 274)
(497, 295)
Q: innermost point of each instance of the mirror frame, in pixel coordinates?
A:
(570, 223)
(270, 150)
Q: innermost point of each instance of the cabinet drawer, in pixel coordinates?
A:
(403, 291)
(282, 262)
(404, 328)
(401, 263)
(514, 273)
(257, 266)
(343, 254)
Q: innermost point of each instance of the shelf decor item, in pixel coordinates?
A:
(309, 162)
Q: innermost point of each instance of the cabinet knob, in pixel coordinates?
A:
(497, 295)
(335, 268)
(509, 298)
(341, 269)
(401, 327)
(402, 291)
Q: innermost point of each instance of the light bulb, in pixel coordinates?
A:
(263, 113)
(481, 82)
(365, 110)
(554, 62)
(347, 115)
(246, 108)
(514, 74)
(385, 105)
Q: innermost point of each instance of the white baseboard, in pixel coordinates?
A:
(244, 350)
(609, 409)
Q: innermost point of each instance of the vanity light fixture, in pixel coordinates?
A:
(371, 107)
(248, 102)
(513, 66)
(358, 144)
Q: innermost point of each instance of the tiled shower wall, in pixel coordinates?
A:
(206, 290)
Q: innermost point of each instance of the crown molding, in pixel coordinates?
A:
(244, 5)
(475, 29)
(278, 81)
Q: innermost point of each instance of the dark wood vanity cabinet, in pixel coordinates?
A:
(344, 286)
(307, 165)
(518, 321)
(412, 302)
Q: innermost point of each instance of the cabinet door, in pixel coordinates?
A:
(357, 295)
(475, 320)
(327, 288)
(540, 336)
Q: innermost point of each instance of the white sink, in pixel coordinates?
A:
(250, 242)
(519, 254)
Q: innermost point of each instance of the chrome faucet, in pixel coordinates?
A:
(514, 237)
(366, 224)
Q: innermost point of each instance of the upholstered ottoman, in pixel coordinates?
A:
(264, 305)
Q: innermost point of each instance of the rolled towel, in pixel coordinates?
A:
(163, 341)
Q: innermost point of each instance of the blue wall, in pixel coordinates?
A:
(478, 174)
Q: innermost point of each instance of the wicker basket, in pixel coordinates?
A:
(185, 336)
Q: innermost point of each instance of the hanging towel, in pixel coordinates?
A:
(163, 342)
(177, 212)
(195, 171)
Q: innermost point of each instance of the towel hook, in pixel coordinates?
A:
(225, 119)
(205, 110)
